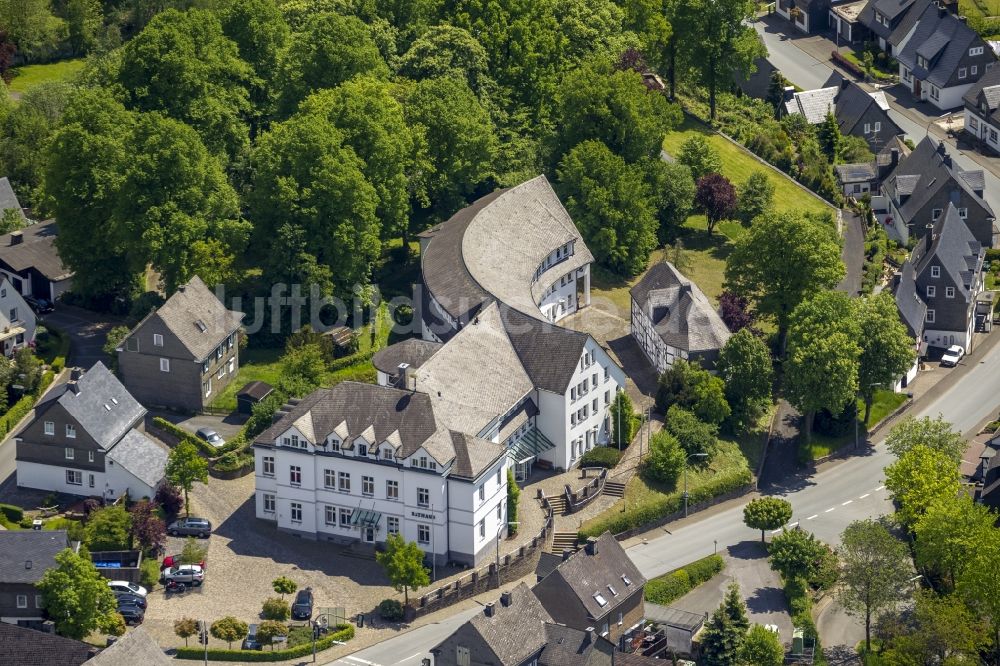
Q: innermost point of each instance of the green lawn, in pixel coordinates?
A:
(738, 163)
(857, 59)
(884, 404)
(29, 76)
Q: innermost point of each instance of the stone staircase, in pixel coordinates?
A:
(564, 541)
(558, 504)
(614, 489)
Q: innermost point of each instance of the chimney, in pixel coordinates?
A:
(75, 374)
(488, 610)
(963, 19)
(16, 238)
(789, 93)
(942, 10)
(181, 288)
(49, 627)
(591, 546)
(505, 599)
(894, 157)
(566, 554)
(843, 84)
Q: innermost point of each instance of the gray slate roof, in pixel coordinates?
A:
(954, 247)
(987, 89)
(27, 647)
(912, 309)
(910, 17)
(37, 250)
(587, 575)
(39, 547)
(144, 458)
(101, 405)
(862, 172)
(548, 352)
(566, 646)
(135, 648)
(198, 318)
(943, 41)
(517, 631)
(413, 351)
(813, 104)
(889, 8)
(8, 199)
(681, 313)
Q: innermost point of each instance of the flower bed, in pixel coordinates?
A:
(343, 633)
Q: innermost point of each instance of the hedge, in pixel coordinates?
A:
(183, 435)
(675, 584)
(664, 505)
(344, 632)
(601, 456)
(800, 606)
(13, 513)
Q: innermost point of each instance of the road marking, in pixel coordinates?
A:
(880, 488)
(846, 503)
(864, 496)
(775, 531)
(830, 509)
(360, 660)
(412, 656)
(795, 524)
(815, 515)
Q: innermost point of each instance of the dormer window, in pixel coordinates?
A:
(335, 445)
(363, 450)
(599, 598)
(387, 453)
(295, 441)
(613, 591)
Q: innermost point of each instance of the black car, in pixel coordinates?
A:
(251, 642)
(302, 609)
(39, 305)
(129, 599)
(132, 613)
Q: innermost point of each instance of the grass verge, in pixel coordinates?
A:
(29, 76)
(885, 403)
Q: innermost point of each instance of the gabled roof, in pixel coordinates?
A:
(813, 104)
(473, 455)
(143, 458)
(909, 19)
(99, 403)
(943, 41)
(413, 352)
(566, 646)
(884, 157)
(27, 647)
(922, 174)
(36, 249)
(476, 377)
(26, 554)
(986, 88)
(135, 648)
(8, 200)
(197, 318)
(861, 172)
(589, 574)
(514, 632)
(912, 309)
(854, 102)
(681, 313)
(952, 246)
(549, 353)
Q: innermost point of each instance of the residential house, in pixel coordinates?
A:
(86, 438)
(8, 201)
(30, 260)
(597, 587)
(860, 178)
(808, 16)
(913, 313)
(136, 648)
(25, 555)
(358, 462)
(915, 195)
(17, 320)
(858, 112)
(504, 271)
(845, 19)
(946, 272)
(982, 110)
(184, 353)
(392, 362)
(942, 58)
(517, 631)
(885, 18)
(673, 319)
(22, 646)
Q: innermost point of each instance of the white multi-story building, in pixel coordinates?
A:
(359, 462)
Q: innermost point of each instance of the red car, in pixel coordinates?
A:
(175, 560)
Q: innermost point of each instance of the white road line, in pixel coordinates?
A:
(880, 488)
(830, 509)
(360, 660)
(775, 531)
(795, 524)
(815, 515)
(846, 503)
(864, 496)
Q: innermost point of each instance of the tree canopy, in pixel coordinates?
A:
(184, 467)
(886, 347)
(921, 476)
(767, 513)
(936, 434)
(404, 565)
(76, 596)
(745, 366)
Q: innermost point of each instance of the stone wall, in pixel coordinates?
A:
(585, 495)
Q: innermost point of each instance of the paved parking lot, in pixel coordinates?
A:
(88, 331)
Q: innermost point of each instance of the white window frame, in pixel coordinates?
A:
(74, 477)
(294, 475)
(963, 72)
(344, 482)
(268, 466)
(973, 70)
(976, 50)
(963, 213)
(295, 507)
(878, 127)
(344, 518)
(49, 427)
(269, 499)
(392, 489)
(22, 601)
(330, 479)
(930, 316)
(949, 292)
(330, 515)
(90, 456)
(368, 486)
(936, 214)
(935, 271)
(70, 453)
(423, 497)
(70, 431)
(391, 525)
(157, 339)
(931, 291)
(423, 533)
(164, 365)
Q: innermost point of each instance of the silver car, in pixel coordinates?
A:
(198, 527)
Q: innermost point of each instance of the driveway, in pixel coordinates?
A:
(839, 632)
(88, 331)
(227, 426)
(853, 254)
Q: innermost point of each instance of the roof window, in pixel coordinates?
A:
(599, 598)
(201, 325)
(626, 580)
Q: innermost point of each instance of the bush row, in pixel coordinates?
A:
(601, 456)
(22, 407)
(344, 632)
(674, 585)
(800, 606)
(662, 506)
(12, 513)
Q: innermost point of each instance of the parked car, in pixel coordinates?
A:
(189, 574)
(174, 560)
(951, 357)
(132, 614)
(127, 598)
(199, 527)
(39, 305)
(302, 609)
(125, 586)
(210, 436)
(251, 642)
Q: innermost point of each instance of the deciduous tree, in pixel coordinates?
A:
(762, 647)
(920, 476)
(76, 596)
(268, 630)
(283, 585)
(609, 201)
(796, 553)
(447, 50)
(756, 197)
(184, 467)
(780, 261)
(665, 460)
(951, 529)
(185, 628)
(942, 630)
(936, 434)
(672, 189)
(716, 196)
(404, 565)
(886, 347)
(693, 434)
(767, 513)
(698, 155)
(692, 387)
(875, 569)
(745, 366)
(735, 311)
(148, 529)
(229, 629)
(260, 32)
(109, 528)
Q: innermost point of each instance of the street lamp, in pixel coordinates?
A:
(693, 455)
(499, 530)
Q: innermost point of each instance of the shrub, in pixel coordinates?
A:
(12, 513)
(601, 456)
(149, 573)
(391, 610)
(25, 523)
(233, 461)
(665, 460)
(693, 434)
(170, 499)
(276, 609)
(513, 496)
(342, 633)
(675, 584)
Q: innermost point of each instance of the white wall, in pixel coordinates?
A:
(120, 480)
(948, 98)
(563, 289)
(52, 477)
(979, 128)
(11, 300)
